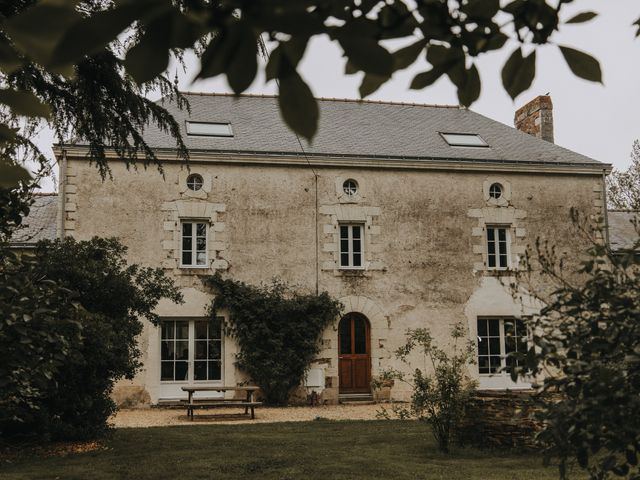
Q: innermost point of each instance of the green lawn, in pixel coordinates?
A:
(311, 450)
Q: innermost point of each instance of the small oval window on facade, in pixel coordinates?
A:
(194, 182)
(495, 190)
(350, 187)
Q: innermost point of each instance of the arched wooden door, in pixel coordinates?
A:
(354, 356)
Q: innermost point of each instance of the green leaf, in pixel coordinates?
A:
(482, 9)
(93, 33)
(425, 79)
(243, 66)
(518, 73)
(298, 107)
(37, 30)
(582, 64)
(371, 83)
(406, 56)
(150, 56)
(24, 103)
(367, 55)
(350, 69)
(445, 58)
(234, 52)
(9, 59)
(10, 173)
(469, 87)
(582, 17)
(7, 134)
(292, 50)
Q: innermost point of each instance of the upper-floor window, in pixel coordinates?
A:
(498, 247)
(497, 338)
(195, 182)
(194, 244)
(495, 190)
(350, 187)
(209, 129)
(351, 246)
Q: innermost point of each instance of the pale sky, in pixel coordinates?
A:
(598, 121)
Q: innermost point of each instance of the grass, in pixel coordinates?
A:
(301, 450)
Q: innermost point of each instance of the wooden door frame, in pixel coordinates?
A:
(351, 316)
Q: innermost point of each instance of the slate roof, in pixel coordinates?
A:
(622, 231)
(40, 224)
(360, 129)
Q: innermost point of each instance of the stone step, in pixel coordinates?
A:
(356, 399)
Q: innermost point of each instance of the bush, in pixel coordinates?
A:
(585, 345)
(439, 398)
(87, 340)
(278, 331)
(40, 326)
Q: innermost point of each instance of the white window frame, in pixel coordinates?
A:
(172, 388)
(457, 139)
(497, 253)
(350, 252)
(195, 129)
(194, 228)
(502, 379)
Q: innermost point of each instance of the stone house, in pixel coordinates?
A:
(411, 215)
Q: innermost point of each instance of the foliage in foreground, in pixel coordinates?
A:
(69, 333)
(277, 329)
(47, 66)
(441, 396)
(586, 342)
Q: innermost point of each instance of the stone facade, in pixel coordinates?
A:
(424, 240)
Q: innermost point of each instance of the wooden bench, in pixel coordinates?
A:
(249, 403)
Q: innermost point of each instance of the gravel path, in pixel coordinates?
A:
(157, 417)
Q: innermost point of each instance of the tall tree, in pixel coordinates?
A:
(623, 188)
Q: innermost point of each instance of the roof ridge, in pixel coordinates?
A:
(329, 99)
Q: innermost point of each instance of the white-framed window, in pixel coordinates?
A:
(350, 187)
(497, 338)
(193, 252)
(495, 191)
(351, 246)
(191, 350)
(195, 182)
(498, 247)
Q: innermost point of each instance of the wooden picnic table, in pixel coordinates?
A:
(247, 403)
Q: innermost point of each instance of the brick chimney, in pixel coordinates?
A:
(536, 118)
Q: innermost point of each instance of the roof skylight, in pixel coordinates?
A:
(464, 140)
(208, 129)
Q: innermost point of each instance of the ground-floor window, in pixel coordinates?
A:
(191, 350)
(497, 338)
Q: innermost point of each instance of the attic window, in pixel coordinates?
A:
(207, 129)
(464, 140)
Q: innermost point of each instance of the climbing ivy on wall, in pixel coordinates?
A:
(277, 329)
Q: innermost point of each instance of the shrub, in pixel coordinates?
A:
(87, 338)
(40, 326)
(439, 398)
(277, 329)
(585, 345)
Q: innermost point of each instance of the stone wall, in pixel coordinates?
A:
(501, 419)
(425, 264)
